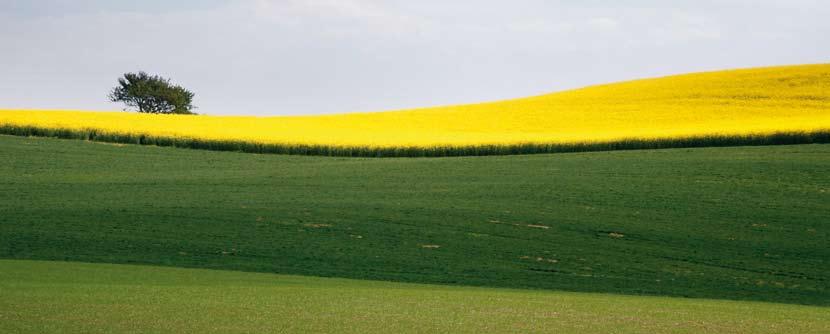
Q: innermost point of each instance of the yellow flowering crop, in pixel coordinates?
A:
(726, 103)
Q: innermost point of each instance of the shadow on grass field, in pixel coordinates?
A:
(55, 297)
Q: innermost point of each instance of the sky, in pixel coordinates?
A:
(295, 57)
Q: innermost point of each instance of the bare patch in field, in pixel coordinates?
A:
(540, 226)
(111, 144)
(539, 259)
(231, 251)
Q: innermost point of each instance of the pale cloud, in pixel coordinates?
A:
(338, 16)
(603, 23)
(349, 9)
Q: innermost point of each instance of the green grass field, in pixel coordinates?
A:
(55, 297)
(741, 223)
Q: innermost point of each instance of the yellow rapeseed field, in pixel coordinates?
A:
(737, 102)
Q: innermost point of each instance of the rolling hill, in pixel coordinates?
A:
(773, 105)
(99, 236)
(742, 223)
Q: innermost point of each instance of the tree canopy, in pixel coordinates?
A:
(152, 94)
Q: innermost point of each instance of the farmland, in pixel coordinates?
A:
(365, 166)
(742, 223)
(649, 223)
(761, 106)
(63, 297)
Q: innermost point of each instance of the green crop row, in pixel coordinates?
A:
(779, 138)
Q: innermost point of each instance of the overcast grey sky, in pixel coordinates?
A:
(277, 57)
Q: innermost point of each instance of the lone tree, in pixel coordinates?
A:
(152, 94)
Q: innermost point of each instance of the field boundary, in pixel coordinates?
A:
(713, 140)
